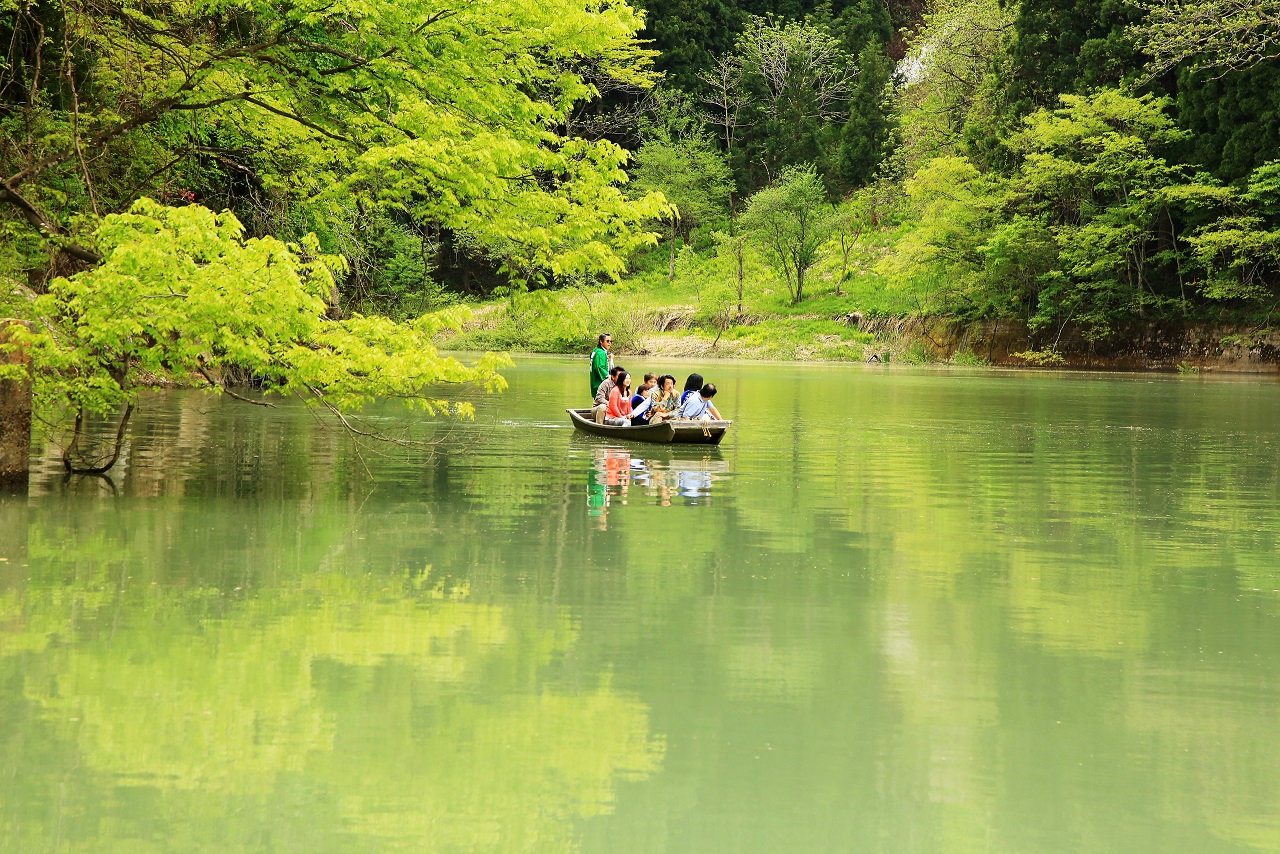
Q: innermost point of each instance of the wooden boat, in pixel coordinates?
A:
(665, 433)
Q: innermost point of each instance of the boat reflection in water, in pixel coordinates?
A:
(619, 475)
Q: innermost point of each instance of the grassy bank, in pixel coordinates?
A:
(877, 313)
(697, 313)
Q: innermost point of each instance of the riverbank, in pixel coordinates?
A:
(830, 328)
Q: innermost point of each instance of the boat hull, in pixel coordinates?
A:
(666, 433)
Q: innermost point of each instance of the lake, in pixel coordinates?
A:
(898, 610)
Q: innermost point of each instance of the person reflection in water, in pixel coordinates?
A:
(609, 477)
(614, 472)
(693, 484)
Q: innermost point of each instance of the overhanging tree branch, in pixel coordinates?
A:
(47, 228)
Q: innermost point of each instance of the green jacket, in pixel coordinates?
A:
(599, 368)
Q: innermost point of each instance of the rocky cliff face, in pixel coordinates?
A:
(1139, 346)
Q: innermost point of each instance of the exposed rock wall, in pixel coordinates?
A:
(1137, 346)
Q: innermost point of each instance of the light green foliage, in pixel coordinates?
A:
(789, 220)
(951, 92)
(1041, 358)
(851, 273)
(451, 115)
(565, 320)
(182, 293)
(968, 359)
(1240, 251)
(691, 174)
(1095, 172)
(1221, 35)
(1085, 230)
(728, 281)
(950, 262)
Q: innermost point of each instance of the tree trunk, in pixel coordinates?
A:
(671, 267)
(741, 276)
(844, 263)
(121, 429)
(15, 415)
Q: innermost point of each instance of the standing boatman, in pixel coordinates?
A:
(601, 361)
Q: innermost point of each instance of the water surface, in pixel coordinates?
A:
(895, 611)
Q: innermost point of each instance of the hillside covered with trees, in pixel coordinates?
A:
(1090, 164)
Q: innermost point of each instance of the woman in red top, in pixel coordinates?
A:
(619, 412)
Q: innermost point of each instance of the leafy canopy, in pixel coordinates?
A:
(450, 114)
(182, 292)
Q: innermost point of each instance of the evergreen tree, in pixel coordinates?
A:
(864, 137)
(1069, 48)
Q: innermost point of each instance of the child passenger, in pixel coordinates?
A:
(698, 407)
(642, 401)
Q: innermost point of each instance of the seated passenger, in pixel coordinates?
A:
(698, 407)
(618, 413)
(693, 385)
(665, 400)
(642, 402)
(602, 394)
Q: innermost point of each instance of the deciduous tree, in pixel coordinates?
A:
(1210, 35)
(790, 219)
(451, 114)
(182, 293)
(692, 175)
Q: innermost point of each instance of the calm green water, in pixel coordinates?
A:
(895, 612)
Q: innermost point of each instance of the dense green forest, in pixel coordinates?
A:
(1089, 163)
(293, 192)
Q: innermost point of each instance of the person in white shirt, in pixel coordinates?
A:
(698, 407)
(642, 401)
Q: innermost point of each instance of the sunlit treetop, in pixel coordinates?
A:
(452, 113)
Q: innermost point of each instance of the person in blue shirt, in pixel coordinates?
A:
(698, 407)
(693, 385)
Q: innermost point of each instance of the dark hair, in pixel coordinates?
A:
(615, 370)
(650, 376)
(662, 380)
(694, 383)
(619, 381)
(603, 335)
(709, 390)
